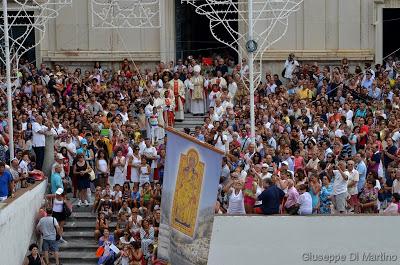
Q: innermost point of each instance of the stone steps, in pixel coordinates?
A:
(81, 209)
(79, 233)
(190, 117)
(73, 262)
(197, 122)
(81, 256)
(82, 216)
(84, 226)
(76, 245)
(190, 122)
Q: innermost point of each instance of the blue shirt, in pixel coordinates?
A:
(135, 195)
(56, 182)
(82, 151)
(376, 94)
(362, 171)
(271, 199)
(290, 161)
(367, 83)
(5, 180)
(200, 137)
(361, 113)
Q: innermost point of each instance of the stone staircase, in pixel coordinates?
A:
(79, 229)
(79, 232)
(190, 121)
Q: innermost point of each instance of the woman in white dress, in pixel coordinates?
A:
(119, 164)
(156, 82)
(144, 172)
(234, 190)
(134, 162)
(102, 169)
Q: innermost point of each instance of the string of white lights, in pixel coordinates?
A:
(125, 14)
(30, 16)
(229, 21)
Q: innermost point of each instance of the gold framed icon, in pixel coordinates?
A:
(187, 193)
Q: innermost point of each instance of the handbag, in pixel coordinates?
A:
(24, 182)
(58, 236)
(66, 210)
(99, 251)
(92, 176)
(67, 184)
(37, 175)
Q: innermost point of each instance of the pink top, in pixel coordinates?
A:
(292, 197)
(68, 90)
(298, 163)
(393, 208)
(248, 185)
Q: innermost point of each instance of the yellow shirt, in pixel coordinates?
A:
(287, 119)
(109, 145)
(305, 93)
(137, 136)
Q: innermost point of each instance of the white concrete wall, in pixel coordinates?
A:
(17, 222)
(278, 240)
(70, 38)
(321, 28)
(327, 29)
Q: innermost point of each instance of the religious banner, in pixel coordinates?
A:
(191, 177)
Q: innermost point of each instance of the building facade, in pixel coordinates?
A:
(322, 30)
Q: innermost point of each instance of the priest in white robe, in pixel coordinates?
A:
(198, 92)
(178, 88)
(159, 103)
(219, 80)
(188, 92)
(214, 94)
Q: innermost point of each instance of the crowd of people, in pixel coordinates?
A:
(327, 141)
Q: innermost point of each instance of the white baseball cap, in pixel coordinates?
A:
(59, 191)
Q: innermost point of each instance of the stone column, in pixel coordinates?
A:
(332, 25)
(48, 155)
(167, 30)
(377, 20)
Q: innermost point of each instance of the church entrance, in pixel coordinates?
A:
(16, 31)
(193, 36)
(391, 24)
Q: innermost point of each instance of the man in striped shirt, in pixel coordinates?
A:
(345, 153)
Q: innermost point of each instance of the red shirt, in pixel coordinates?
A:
(365, 129)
